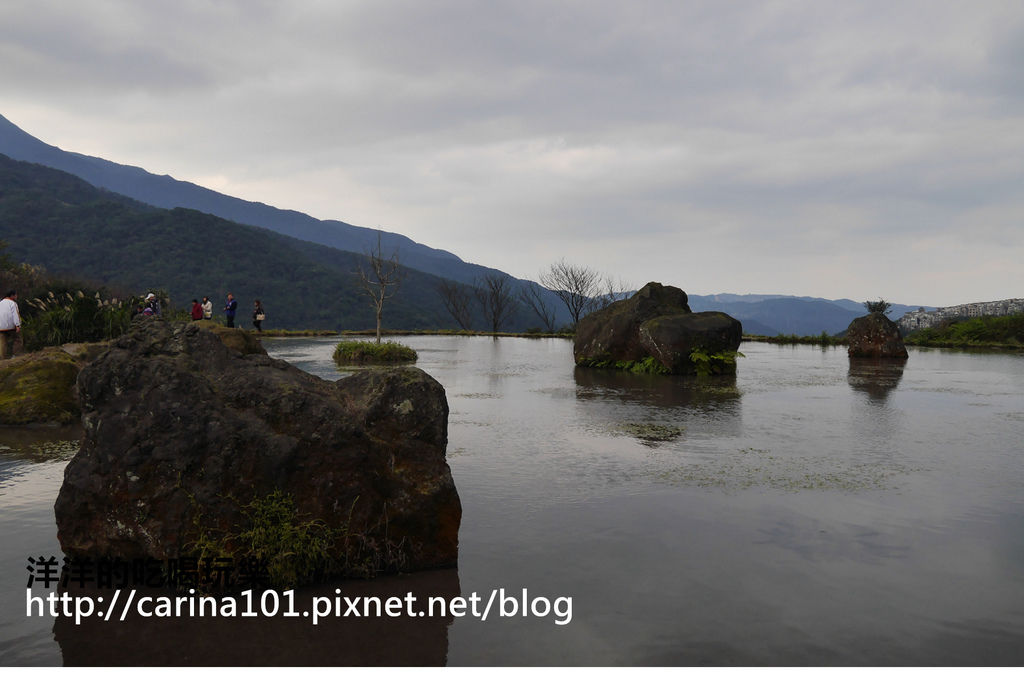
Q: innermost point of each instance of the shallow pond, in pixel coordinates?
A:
(806, 512)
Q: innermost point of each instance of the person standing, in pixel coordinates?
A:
(153, 304)
(258, 316)
(207, 308)
(10, 324)
(197, 310)
(230, 309)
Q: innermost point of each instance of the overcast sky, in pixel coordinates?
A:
(834, 149)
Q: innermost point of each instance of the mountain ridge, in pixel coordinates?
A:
(760, 314)
(73, 229)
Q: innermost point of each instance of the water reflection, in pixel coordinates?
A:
(272, 641)
(656, 409)
(39, 444)
(809, 512)
(709, 393)
(876, 377)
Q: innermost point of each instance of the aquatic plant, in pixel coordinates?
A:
(649, 365)
(363, 352)
(293, 551)
(650, 432)
(714, 363)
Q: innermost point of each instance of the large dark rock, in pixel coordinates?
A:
(653, 329)
(184, 436)
(875, 336)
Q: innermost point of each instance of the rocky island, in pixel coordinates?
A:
(194, 446)
(655, 331)
(875, 336)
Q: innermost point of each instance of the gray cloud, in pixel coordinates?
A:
(753, 146)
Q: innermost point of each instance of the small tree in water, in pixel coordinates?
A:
(379, 277)
(881, 306)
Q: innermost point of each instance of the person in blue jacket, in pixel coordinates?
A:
(230, 308)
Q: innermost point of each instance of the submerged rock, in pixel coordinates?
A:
(875, 336)
(191, 444)
(655, 331)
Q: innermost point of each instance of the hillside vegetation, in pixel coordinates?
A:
(992, 331)
(62, 223)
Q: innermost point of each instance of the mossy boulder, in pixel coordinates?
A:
(875, 336)
(655, 330)
(186, 436)
(39, 388)
(234, 338)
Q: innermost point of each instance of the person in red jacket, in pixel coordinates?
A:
(197, 310)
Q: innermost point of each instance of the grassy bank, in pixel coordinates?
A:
(823, 339)
(993, 332)
(295, 333)
(457, 333)
(409, 333)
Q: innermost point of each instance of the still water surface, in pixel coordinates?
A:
(806, 512)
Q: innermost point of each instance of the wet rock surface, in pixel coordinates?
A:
(654, 327)
(875, 336)
(185, 435)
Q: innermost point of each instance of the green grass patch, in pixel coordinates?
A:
(293, 551)
(368, 352)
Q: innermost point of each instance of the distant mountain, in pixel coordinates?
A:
(163, 191)
(59, 221)
(777, 314)
(773, 314)
(760, 313)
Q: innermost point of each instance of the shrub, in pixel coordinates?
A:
(294, 551)
(881, 306)
(73, 317)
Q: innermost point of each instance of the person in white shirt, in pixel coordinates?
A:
(10, 324)
(207, 308)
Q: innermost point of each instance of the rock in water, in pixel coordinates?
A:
(187, 439)
(655, 330)
(875, 336)
(39, 388)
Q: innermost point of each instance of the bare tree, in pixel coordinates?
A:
(610, 293)
(379, 276)
(576, 286)
(458, 301)
(532, 296)
(494, 292)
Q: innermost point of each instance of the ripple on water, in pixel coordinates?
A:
(759, 468)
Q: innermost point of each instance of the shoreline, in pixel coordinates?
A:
(407, 333)
(809, 340)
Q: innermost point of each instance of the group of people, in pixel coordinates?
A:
(149, 306)
(204, 311)
(10, 316)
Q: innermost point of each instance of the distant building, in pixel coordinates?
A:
(921, 319)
